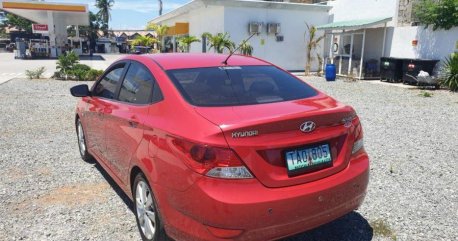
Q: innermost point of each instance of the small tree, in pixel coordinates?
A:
(18, 22)
(450, 72)
(66, 62)
(312, 43)
(246, 48)
(441, 14)
(185, 42)
(161, 32)
(3, 30)
(219, 42)
(146, 41)
(320, 64)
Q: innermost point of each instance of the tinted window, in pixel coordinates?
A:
(247, 85)
(137, 86)
(106, 88)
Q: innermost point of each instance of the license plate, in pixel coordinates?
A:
(306, 159)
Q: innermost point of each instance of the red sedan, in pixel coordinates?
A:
(216, 150)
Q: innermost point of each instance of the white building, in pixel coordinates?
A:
(285, 48)
(389, 30)
(359, 32)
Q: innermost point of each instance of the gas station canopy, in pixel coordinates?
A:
(57, 16)
(67, 14)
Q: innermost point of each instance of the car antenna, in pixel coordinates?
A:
(243, 42)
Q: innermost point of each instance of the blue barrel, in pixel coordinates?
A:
(330, 72)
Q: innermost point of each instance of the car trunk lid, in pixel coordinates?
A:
(260, 135)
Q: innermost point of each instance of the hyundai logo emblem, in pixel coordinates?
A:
(307, 126)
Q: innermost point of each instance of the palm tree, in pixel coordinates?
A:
(185, 42)
(104, 7)
(312, 43)
(161, 31)
(146, 41)
(246, 48)
(219, 42)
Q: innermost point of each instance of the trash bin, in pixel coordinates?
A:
(391, 69)
(412, 67)
(330, 72)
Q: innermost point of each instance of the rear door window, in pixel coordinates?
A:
(138, 85)
(107, 86)
(231, 86)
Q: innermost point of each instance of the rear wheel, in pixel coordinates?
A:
(146, 212)
(82, 142)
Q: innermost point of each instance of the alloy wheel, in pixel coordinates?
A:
(81, 139)
(145, 210)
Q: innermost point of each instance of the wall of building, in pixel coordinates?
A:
(207, 19)
(289, 53)
(431, 44)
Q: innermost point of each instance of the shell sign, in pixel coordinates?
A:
(40, 28)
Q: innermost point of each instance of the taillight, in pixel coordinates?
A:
(211, 161)
(359, 140)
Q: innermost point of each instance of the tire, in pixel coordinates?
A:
(149, 220)
(82, 142)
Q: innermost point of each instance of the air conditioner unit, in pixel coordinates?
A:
(254, 27)
(273, 28)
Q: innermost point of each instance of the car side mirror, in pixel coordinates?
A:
(80, 91)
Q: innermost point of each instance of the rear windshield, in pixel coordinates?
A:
(231, 86)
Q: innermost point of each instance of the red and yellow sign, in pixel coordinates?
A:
(44, 6)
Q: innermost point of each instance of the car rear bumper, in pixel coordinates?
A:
(247, 210)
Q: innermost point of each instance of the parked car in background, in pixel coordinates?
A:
(215, 150)
(141, 50)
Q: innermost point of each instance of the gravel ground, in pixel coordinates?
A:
(48, 193)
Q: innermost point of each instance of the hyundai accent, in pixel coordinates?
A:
(210, 148)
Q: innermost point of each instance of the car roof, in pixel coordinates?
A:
(201, 60)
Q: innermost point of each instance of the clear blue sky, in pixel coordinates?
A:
(131, 14)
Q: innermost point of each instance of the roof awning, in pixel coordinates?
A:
(65, 13)
(355, 24)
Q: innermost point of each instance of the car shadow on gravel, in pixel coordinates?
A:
(351, 227)
(115, 187)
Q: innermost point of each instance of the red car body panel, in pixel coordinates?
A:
(189, 61)
(125, 138)
(277, 124)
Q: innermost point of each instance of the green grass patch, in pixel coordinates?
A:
(381, 228)
(425, 94)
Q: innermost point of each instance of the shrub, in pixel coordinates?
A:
(246, 48)
(36, 73)
(450, 72)
(79, 71)
(66, 62)
(93, 74)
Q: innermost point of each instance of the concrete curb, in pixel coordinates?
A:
(5, 81)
